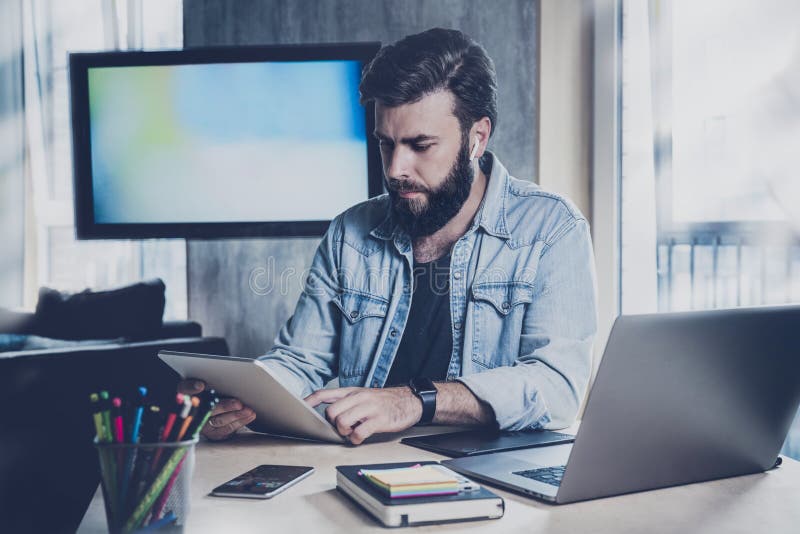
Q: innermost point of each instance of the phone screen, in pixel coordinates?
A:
(263, 480)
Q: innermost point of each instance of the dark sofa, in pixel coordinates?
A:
(48, 465)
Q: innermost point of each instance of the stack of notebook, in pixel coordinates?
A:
(416, 493)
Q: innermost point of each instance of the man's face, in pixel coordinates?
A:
(425, 162)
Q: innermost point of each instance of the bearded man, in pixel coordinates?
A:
(463, 295)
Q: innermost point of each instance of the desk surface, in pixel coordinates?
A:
(766, 502)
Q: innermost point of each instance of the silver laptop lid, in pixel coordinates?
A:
(687, 397)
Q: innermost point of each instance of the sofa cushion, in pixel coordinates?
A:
(133, 312)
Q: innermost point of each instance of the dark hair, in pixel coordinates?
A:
(436, 59)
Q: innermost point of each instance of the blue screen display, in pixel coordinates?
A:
(227, 142)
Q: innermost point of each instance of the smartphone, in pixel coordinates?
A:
(263, 482)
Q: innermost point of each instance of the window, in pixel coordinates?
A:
(708, 107)
(51, 30)
(709, 113)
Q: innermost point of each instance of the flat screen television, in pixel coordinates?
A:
(220, 142)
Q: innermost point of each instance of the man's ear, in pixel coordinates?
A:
(479, 137)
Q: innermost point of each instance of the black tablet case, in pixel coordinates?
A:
(475, 442)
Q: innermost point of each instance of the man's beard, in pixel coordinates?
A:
(421, 219)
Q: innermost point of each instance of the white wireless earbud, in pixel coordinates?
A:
(474, 149)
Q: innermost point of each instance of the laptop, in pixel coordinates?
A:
(679, 398)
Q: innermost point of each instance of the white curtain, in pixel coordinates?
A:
(11, 150)
(639, 282)
(54, 258)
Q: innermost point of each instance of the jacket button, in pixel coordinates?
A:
(506, 305)
(354, 314)
(457, 325)
(457, 275)
(393, 332)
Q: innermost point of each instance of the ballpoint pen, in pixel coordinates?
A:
(188, 421)
(97, 415)
(165, 434)
(100, 414)
(208, 402)
(170, 421)
(105, 406)
(119, 437)
(119, 433)
(130, 455)
(151, 423)
(181, 418)
(137, 415)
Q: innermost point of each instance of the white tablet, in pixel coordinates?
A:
(278, 410)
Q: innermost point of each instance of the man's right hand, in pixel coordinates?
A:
(227, 417)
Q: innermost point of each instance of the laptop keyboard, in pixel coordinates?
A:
(548, 475)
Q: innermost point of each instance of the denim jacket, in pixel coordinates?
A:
(522, 303)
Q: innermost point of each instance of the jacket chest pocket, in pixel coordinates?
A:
(498, 313)
(363, 315)
(356, 305)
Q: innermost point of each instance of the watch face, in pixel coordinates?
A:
(422, 385)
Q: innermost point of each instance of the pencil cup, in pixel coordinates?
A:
(146, 486)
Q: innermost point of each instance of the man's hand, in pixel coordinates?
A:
(357, 413)
(227, 417)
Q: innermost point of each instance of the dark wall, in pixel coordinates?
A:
(245, 289)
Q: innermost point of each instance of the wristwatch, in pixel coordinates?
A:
(426, 391)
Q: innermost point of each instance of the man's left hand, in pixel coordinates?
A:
(357, 413)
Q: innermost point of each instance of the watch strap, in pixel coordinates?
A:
(426, 392)
(428, 407)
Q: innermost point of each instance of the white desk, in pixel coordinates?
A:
(768, 502)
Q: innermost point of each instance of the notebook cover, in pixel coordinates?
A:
(351, 473)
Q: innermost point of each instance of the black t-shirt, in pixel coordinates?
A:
(427, 340)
